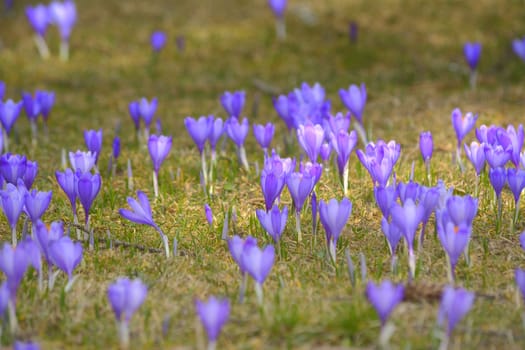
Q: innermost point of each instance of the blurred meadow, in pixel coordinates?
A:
(409, 54)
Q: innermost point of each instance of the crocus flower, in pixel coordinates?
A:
(472, 52)
(64, 15)
(273, 221)
(300, 186)
(272, 183)
(462, 123)
(141, 214)
(88, 187)
(82, 161)
(454, 240)
(34, 255)
(385, 198)
(476, 154)
(392, 233)
(134, 113)
(213, 314)
(426, 145)
(12, 167)
(65, 254)
(455, 304)
(462, 209)
(30, 173)
(67, 180)
(9, 112)
(31, 106)
(125, 297)
(14, 262)
(311, 138)
(343, 143)
(26, 345)
(208, 213)
(4, 297)
(158, 40)
(237, 245)
(334, 216)
(93, 140)
(199, 130)
(408, 217)
(45, 235)
(12, 200)
(116, 147)
(311, 169)
(159, 147)
(36, 204)
(264, 134)
(334, 123)
(147, 110)
(496, 155)
(519, 275)
(516, 181)
(325, 151)
(216, 131)
(518, 45)
(46, 99)
(384, 298)
(233, 103)
(39, 18)
(258, 263)
(355, 100)
(237, 132)
(278, 7)
(498, 179)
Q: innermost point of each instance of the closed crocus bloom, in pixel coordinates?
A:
(385, 198)
(13, 263)
(33, 252)
(272, 184)
(65, 254)
(311, 169)
(519, 276)
(38, 17)
(31, 106)
(273, 221)
(311, 138)
(497, 155)
(516, 181)
(88, 187)
(147, 110)
(9, 112)
(36, 204)
(64, 15)
(93, 140)
(216, 131)
(26, 346)
(67, 180)
(462, 209)
(498, 179)
(516, 137)
(258, 262)
(233, 103)
(453, 238)
(518, 45)
(199, 130)
(384, 298)
(339, 121)
(455, 304)
(236, 131)
(30, 173)
(300, 186)
(126, 296)
(522, 240)
(12, 167)
(426, 145)
(213, 314)
(159, 147)
(82, 161)
(334, 216)
(45, 235)
(462, 123)
(343, 144)
(209, 214)
(472, 52)
(392, 233)
(116, 147)
(158, 40)
(355, 100)
(264, 134)
(325, 151)
(278, 7)
(476, 155)
(46, 99)
(134, 113)
(12, 203)
(237, 246)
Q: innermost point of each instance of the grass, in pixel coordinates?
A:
(410, 56)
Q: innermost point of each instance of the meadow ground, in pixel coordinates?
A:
(409, 54)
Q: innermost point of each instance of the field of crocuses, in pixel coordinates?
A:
(265, 174)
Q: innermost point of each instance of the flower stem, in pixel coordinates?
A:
(280, 28)
(242, 288)
(243, 159)
(42, 47)
(298, 225)
(155, 184)
(259, 293)
(345, 180)
(13, 322)
(123, 332)
(13, 235)
(64, 50)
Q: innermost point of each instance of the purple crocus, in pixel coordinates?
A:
(9, 112)
(213, 314)
(334, 123)
(519, 276)
(147, 111)
(64, 15)
(518, 45)
(472, 52)
(216, 131)
(462, 125)
(454, 240)
(65, 254)
(273, 221)
(30, 173)
(343, 143)
(272, 183)
(158, 40)
(278, 7)
(67, 180)
(334, 216)
(455, 304)
(516, 182)
(116, 147)
(82, 161)
(208, 213)
(93, 140)
(233, 103)
(408, 217)
(311, 138)
(36, 204)
(45, 235)
(12, 167)
(31, 106)
(355, 100)
(258, 263)
(300, 186)
(159, 147)
(12, 200)
(385, 198)
(134, 113)
(384, 298)
(39, 18)
(46, 99)
(26, 345)
(125, 297)
(498, 179)
(199, 130)
(393, 235)
(476, 154)
(88, 187)
(237, 245)
(264, 135)
(141, 214)
(426, 145)
(237, 132)
(13, 263)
